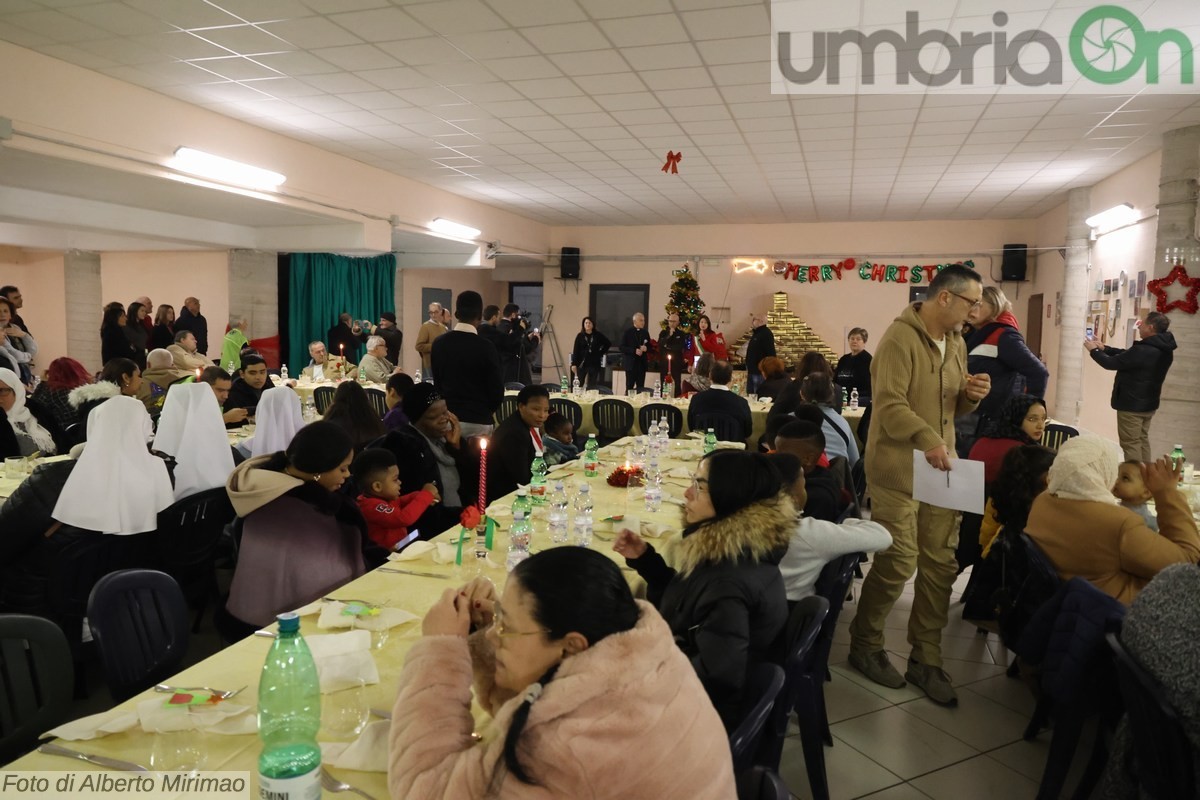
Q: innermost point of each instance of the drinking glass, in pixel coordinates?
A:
(14, 468)
(179, 751)
(632, 393)
(344, 713)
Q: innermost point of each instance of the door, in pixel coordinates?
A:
(1033, 324)
(611, 307)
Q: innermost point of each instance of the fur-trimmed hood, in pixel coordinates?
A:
(759, 532)
(100, 390)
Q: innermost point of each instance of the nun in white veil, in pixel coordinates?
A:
(276, 421)
(117, 486)
(192, 432)
(31, 436)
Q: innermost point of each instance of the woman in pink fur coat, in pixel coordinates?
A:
(588, 694)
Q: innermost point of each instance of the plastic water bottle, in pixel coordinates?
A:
(736, 388)
(230, 368)
(537, 480)
(591, 457)
(652, 439)
(845, 398)
(669, 387)
(583, 517)
(710, 441)
(1177, 457)
(283, 376)
(417, 376)
(653, 486)
(576, 388)
(518, 540)
(562, 385)
(289, 716)
(558, 514)
(658, 389)
(664, 436)
(853, 399)
(522, 503)
(310, 408)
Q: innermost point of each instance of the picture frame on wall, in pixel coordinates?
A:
(1095, 306)
(1133, 288)
(1141, 283)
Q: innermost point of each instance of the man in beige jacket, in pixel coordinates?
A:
(431, 329)
(920, 382)
(184, 352)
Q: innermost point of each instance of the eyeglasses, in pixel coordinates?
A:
(498, 627)
(699, 484)
(974, 303)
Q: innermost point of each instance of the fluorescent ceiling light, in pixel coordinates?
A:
(450, 228)
(1114, 217)
(225, 170)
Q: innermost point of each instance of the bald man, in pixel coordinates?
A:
(635, 344)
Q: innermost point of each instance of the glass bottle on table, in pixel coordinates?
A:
(562, 386)
(537, 479)
(522, 502)
(1178, 459)
(591, 456)
(289, 716)
(710, 441)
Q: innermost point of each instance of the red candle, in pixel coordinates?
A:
(483, 443)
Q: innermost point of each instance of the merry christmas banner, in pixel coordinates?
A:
(848, 269)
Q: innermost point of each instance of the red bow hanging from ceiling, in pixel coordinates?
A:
(672, 164)
(1158, 288)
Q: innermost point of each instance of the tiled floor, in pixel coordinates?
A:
(895, 744)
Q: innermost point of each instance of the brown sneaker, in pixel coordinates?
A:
(877, 667)
(933, 681)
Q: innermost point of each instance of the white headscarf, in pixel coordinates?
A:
(1085, 469)
(22, 419)
(191, 429)
(117, 486)
(276, 420)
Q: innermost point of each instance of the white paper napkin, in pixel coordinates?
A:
(332, 617)
(679, 472)
(343, 659)
(95, 726)
(438, 552)
(367, 753)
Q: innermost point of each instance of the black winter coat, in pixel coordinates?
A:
(418, 466)
(1140, 370)
(761, 345)
(726, 604)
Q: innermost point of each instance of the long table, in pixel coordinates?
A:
(240, 664)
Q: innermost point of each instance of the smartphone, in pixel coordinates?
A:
(1090, 332)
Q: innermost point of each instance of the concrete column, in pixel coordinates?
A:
(1069, 392)
(254, 294)
(84, 307)
(1178, 417)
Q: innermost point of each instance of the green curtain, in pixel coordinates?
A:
(322, 285)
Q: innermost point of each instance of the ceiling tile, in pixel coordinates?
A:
(576, 37)
(547, 87)
(449, 17)
(185, 13)
(528, 68)
(593, 62)
(425, 50)
(344, 83)
(311, 33)
(380, 25)
(521, 13)
(263, 10)
(356, 57)
(644, 30)
(626, 102)
(610, 84)
(728, 23)
(395, 78)
(493, 44)
(296, 63)
(461, 73)
(663, 56)
(609, 9)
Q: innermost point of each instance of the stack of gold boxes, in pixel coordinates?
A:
(793, 338)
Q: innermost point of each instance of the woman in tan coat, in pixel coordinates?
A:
(587, 692)
(1079, 526)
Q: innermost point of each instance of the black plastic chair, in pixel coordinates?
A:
(803, 627)
(1161, 750)
(724, 427)
(760, 783)
(569, 409)
(514, 386)
(661, 411)
(36, 677)
(552, 388)
(507, 407)
(378, 399)
(763, 684)
(188, 534)
(1054, 435)
(613, 419)
(139, 621)
(73, 434)
(323, 398)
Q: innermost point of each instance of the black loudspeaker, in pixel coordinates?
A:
(568, 264)
(1012, 267)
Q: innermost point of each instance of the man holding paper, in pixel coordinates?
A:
(920, 383)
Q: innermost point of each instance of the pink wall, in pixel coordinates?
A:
(456, 280)
(639, 255)
(40, 277)
(169, 277)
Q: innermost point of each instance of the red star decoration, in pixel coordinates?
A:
(1158, 288)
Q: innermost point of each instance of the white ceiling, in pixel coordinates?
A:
(563, 110)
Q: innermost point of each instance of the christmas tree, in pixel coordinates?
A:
(684, 300)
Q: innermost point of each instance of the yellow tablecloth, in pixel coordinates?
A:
(241, 663)
(9, 485)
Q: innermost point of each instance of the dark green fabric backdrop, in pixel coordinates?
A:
(322, 285)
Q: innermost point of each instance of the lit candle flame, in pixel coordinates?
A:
(483, 444)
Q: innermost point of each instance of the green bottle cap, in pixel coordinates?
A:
(289, 622)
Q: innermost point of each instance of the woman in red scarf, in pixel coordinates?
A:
(709, 341)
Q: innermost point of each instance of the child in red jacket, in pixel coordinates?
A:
(388, 513)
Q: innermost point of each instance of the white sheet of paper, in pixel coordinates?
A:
(962, 492)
